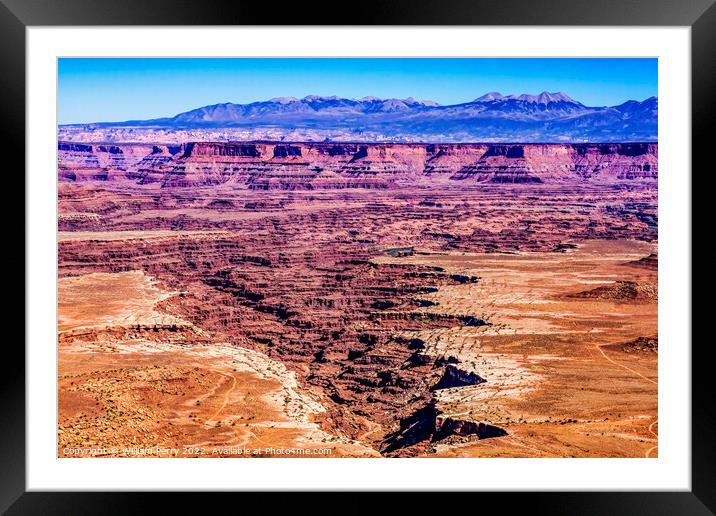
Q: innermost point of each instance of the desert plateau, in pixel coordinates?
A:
(269, 298)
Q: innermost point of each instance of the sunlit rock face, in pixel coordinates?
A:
(379, 299)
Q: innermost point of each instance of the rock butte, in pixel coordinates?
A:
(369, 299)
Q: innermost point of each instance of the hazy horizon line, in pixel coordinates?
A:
(338, 97)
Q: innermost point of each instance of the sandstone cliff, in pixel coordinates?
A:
(316, 166)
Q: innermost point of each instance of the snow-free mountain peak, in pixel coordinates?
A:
(546, 116)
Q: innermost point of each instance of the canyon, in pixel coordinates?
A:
(326, 166)
(358, 299)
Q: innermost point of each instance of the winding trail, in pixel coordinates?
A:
(599, 348)
(227, 395)
(651, 431)
(651, 426)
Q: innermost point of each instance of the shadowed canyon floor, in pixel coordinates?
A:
(482, 301)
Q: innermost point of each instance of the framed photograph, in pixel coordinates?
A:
(435, 249)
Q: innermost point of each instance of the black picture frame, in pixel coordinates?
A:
(700, 15)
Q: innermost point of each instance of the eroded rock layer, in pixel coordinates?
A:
(331, 260)
(314, 166)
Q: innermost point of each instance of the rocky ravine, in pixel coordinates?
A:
(291, 250)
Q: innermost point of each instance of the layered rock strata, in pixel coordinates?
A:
(317, 166)
(276, 247)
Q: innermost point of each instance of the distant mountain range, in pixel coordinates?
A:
(547, 117)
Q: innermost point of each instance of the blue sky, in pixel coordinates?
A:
(119, 89)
